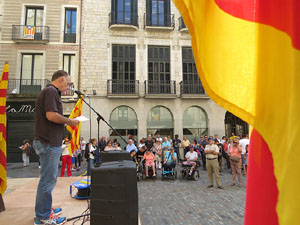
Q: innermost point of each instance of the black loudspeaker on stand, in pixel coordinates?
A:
(114, 196)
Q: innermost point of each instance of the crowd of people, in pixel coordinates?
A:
(208, 152)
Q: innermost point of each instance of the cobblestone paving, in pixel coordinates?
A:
(190, 202)
(179, 202)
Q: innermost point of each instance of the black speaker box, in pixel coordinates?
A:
(115, 155)
(114, 196)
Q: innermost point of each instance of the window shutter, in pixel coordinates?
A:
(168, 7)
(148, 12)
(168, 12)
(113, 5)
(134, 11)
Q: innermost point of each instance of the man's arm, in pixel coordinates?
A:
(57, 118)
(215, 152)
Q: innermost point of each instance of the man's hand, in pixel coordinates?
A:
(73, 122)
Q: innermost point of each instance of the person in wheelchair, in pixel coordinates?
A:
(191, 159)
(170, 159)
(149, 162)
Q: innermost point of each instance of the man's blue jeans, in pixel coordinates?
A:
(49, 159)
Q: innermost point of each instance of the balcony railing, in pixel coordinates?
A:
(160, 87)
(181, 24)
(68, 91)
(122, 87)
(191, 88)
(123, 18)
(159, 20)
(27, 33)
(70, 37)
(26, 86)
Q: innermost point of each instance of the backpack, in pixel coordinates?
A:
(87, 151)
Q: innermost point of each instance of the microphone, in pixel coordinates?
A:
(77, 92)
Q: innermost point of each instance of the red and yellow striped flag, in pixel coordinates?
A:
(75, 131)
(3, 90)
(247, 54)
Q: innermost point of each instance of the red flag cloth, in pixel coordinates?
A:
(261, 184)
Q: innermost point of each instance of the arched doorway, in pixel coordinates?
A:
(160, 121)
(235, 125)
(194, 123)
(124, 120)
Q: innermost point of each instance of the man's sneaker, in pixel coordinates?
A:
(57, 211)
(53, 220)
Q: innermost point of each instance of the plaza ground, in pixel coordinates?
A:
(160, 202)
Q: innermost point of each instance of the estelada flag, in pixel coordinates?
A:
(247, 54)
(3, 91)
(75, 131)
(29, 32)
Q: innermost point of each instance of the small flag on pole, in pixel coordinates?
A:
(75, 131)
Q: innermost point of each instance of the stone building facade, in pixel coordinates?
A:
(37, 37)
(138, 72)
(133, 59)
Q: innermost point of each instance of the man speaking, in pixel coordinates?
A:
(48, 136)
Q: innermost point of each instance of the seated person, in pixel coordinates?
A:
(170, 159)
(149, 161)
(133, 156)
(140, 153)
(191, 159)
(117, 146)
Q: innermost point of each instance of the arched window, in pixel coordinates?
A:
(235, 125)
(124, 120)
(194, 123)
(160, 121)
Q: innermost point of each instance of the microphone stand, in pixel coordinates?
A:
(99, 118)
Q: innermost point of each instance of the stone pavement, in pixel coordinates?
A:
(190, 202)
(172, 202)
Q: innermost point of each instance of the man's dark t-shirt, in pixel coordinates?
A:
(49, 100)
(149, 143)
(176, 143)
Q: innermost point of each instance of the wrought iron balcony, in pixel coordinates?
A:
(182, 26)
(188, 88)
(157, 87)
(123, 19)
(122, 87)
(159, 21)
(23, 33)
(70, 37)
(68, 91)
(26, 86)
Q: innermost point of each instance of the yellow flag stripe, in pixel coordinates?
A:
(3, 185)
(3, 84)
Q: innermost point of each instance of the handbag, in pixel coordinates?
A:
(235, 159)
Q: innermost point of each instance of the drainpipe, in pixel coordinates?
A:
(80, 36)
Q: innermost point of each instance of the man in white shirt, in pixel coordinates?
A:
(212, 165)
(191, 159)
(243, 143)
(158, 138)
